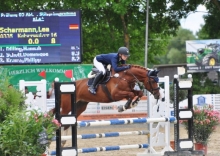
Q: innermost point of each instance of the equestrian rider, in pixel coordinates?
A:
(114, 59)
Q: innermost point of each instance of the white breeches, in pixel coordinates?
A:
(99, 65)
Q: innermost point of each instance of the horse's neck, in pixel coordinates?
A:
(139, 73)
(133, 74)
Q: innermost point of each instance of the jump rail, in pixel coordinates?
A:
(107, 148)
(125, 122)
(104, 135)
(109, 119)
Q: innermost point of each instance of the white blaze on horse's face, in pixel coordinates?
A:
(162, 95)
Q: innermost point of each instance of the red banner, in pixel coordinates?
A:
(42, 74)
(69, 73)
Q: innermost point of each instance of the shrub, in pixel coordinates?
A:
(205, 120)
(19, 133)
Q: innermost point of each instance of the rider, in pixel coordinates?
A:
(113, 59)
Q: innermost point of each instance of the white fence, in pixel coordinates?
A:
(40, 101)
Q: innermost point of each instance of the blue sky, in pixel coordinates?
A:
(194, 20)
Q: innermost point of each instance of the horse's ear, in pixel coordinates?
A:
(153, 72)
(150, 72)
(157, 71)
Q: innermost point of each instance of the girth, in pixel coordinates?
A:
(106, 91)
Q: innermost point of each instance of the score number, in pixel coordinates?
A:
(36, 41)
(33, 41)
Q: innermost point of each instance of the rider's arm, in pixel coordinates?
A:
(123, 62)
(115, 66)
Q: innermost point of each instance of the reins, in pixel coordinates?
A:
(122, 77)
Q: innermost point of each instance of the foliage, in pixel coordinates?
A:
(205, 120)
(11, 99)
(19, 133)
(208, 87)
(182, 94)
(210, 30)
(176, 48)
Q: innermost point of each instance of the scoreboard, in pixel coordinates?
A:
(46, 37)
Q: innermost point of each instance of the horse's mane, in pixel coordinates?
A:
(138, 66)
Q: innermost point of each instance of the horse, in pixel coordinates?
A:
(120, 86)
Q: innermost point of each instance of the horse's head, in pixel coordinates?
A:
(151, 83)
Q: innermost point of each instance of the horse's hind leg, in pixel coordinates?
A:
(139, 94)
(126, 106)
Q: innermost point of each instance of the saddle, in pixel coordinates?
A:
(105, 77)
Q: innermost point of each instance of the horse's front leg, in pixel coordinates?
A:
(125, 94)
(122, 108)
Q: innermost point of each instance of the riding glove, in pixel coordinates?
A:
(127, 67)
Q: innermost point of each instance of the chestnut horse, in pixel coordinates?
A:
(119, 86)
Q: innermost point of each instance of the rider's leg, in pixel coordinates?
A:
(99, 66)
(98, 76)
(95, 82)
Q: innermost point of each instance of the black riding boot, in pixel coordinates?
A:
(95, 82)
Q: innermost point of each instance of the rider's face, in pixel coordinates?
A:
(124, 57)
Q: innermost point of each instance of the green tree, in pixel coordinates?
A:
(212, 20)
(203, 85)
(11, 99)
(176, 48)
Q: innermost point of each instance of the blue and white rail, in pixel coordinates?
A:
(104, 135)
(125, 121)
(107, 148)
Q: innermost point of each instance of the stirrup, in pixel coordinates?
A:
(92, 90)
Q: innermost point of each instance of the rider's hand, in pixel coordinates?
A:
(127, 67)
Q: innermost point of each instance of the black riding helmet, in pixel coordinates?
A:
(124, 51)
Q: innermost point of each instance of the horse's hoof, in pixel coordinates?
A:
(134, 105)
(121, 108)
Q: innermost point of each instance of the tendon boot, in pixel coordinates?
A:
(95, 82)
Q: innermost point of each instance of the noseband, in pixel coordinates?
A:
(150, 81)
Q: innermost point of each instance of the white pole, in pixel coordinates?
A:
(146, 33)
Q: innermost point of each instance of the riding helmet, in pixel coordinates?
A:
(124, 51)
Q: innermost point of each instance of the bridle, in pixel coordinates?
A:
(151, 79)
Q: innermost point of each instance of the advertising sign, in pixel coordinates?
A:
(202, 100)
(40, 37)
(203, 55)
(48, 72)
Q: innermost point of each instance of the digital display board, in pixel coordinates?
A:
(46, 37)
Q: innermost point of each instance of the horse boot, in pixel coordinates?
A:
(122, 108)
(95, 82)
